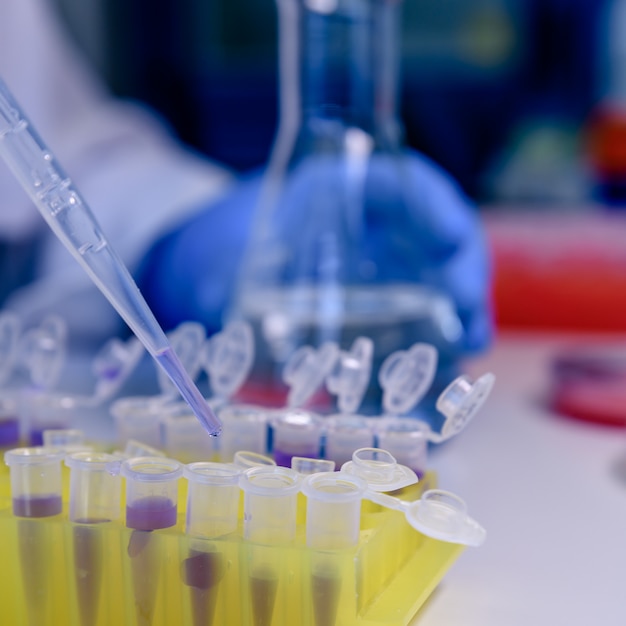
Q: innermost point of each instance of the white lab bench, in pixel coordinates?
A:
(549, 492)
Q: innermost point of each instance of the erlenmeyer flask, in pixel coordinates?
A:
(322, 264)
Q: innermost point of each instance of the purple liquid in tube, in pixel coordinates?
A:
(37, 506)
(9, 431)
(172, 366)
(151, 513)
(145, 515)
(325, 588)
(263, 587)
(202, 572)
(35, 435)
(283, 457)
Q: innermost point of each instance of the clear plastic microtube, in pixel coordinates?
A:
(406, 439)
(66, 440)
(333, 516)
(183, 436)
(35, 481)
(95, 493)
(53, 411)
(95, 496)
(151, 492)
(212, 507)
(296, 432)
(138, 418)
(333, 510)
(270, 504)
(345, 434)
(212, 499)
(244, 427)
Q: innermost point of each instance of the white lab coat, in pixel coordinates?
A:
(138, 181)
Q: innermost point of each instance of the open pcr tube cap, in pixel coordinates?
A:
(443, 515)
(113, 364)
(307, 369)
(349, 378)
(227, 358)
(460, 401)
(379, 469)
(405, 376)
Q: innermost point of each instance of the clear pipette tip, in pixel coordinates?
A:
(71, 220)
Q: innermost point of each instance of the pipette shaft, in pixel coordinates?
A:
(72, 221)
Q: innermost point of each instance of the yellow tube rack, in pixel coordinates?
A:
(58, 573)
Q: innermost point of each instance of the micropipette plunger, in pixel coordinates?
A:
(70, 218)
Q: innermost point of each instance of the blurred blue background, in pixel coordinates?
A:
(479, 78)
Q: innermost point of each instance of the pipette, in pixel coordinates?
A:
(70, 218)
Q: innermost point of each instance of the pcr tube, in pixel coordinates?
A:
(35, 481)
(183, 436)
(270, 498)
(212, 507)
(333, 515)
(296, 432)
(138, 418)
(244, 427)
(95, 496)
(36, 493)
(151, 504)
(345, 434)
(151, 492)
(212, 499)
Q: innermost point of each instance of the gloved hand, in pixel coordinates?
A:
(422, 230)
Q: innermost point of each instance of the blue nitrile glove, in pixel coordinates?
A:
(441, 234)
(190, 274)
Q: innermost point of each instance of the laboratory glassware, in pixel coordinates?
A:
(328, 260)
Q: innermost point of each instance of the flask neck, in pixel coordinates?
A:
(339, 63)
